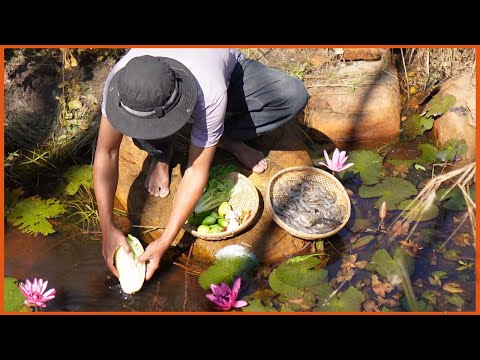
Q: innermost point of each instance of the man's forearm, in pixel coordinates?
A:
(105, 179)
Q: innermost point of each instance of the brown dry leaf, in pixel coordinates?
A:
(400, 170)
(399, 229)
(433, 258)
(370, 306)
(344, 275)
(389, 302)
(453, 288)
(463, 240)
(418, 283)
(411, 247)
(381, 288)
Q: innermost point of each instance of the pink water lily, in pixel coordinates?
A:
(35, 294)
(338, 161)
(225, 298)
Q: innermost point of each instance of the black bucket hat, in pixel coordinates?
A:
(151, 97)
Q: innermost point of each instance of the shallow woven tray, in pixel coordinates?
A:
(329, 182)
(245, 198)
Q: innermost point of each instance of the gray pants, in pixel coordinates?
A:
(260, 99)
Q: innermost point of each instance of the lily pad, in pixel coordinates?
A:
(454, 299)
(455, 199)
(439, 105)
(366, 163)
(392, 190)
(31, 214)
(391, 268)
(397, 162)
(440, 274)
(294, 276)
(452, 255)
(12, 296)
(429, 154)
(349, 300)
(451, 149)
(257, 306)
(429, 296)
(77, 176)
(415, 125)
(417, 212)
(227, 269)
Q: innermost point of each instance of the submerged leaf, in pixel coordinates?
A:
(452, 255)
(77, 176)
(417, 211)
(391, 268)
(454, 299)
(392, 190)
(30, 215)
(429, 296)
(366, 163)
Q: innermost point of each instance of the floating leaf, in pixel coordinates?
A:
(226, 270)
(391, 268)
(453, 288)
(454, 299)
(12, 296)
(392, 190)
(77, 176)
(397, 162)
(451, 149)
(457, 201)
(257, 306)
(422, 306)
(440, 105)
(362, 242)
(366, 163)
(429, 296)
(415, 125)
(30, 215)
(429, 154)
(452, 255)
(417, 212)
(349, 300)
(440, 274)
(294, 275)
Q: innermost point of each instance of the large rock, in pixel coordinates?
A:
(285, 147)
(360, 103)
(364, 53)
(459, 122)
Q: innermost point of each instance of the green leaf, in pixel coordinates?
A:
(417, 212)
(422, 306)
(452, 255)
(75, 104)
(30, 215)
(257, 306)
(440, 274)
(452, 148)
(227, 270)
(415, 125)
(440, 105)
(12, 296)
(296, 276)
(397, 162)
(77, 176)
(456, 200)
(366, 163)
(392, 190)
(391, 268)
(429, 154)
(429, 296)
(349, 300)
(419, 167)
(454, 299)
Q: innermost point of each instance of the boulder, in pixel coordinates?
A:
(283, 147)
(360, 103)
(459, 122)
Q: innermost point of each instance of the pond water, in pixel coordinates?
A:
(444, 267)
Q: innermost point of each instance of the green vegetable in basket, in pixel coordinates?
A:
(215, 230)
(223, 222)
(203, 229)
(218, 189)
(197, 219)
(224, 208)
(216, 226)
(209, 220)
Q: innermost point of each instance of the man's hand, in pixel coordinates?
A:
(152, 255)
(112, 240)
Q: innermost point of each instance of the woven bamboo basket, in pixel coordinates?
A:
(288, 177)
(244, 197)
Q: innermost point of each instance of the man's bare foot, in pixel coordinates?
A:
(249, 157)
(157, 180)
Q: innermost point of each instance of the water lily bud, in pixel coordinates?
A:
(383, 210)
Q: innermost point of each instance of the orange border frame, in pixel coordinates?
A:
(2, 181)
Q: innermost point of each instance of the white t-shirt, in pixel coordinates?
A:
(212, 69)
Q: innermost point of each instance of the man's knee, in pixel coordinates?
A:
(296, 94)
